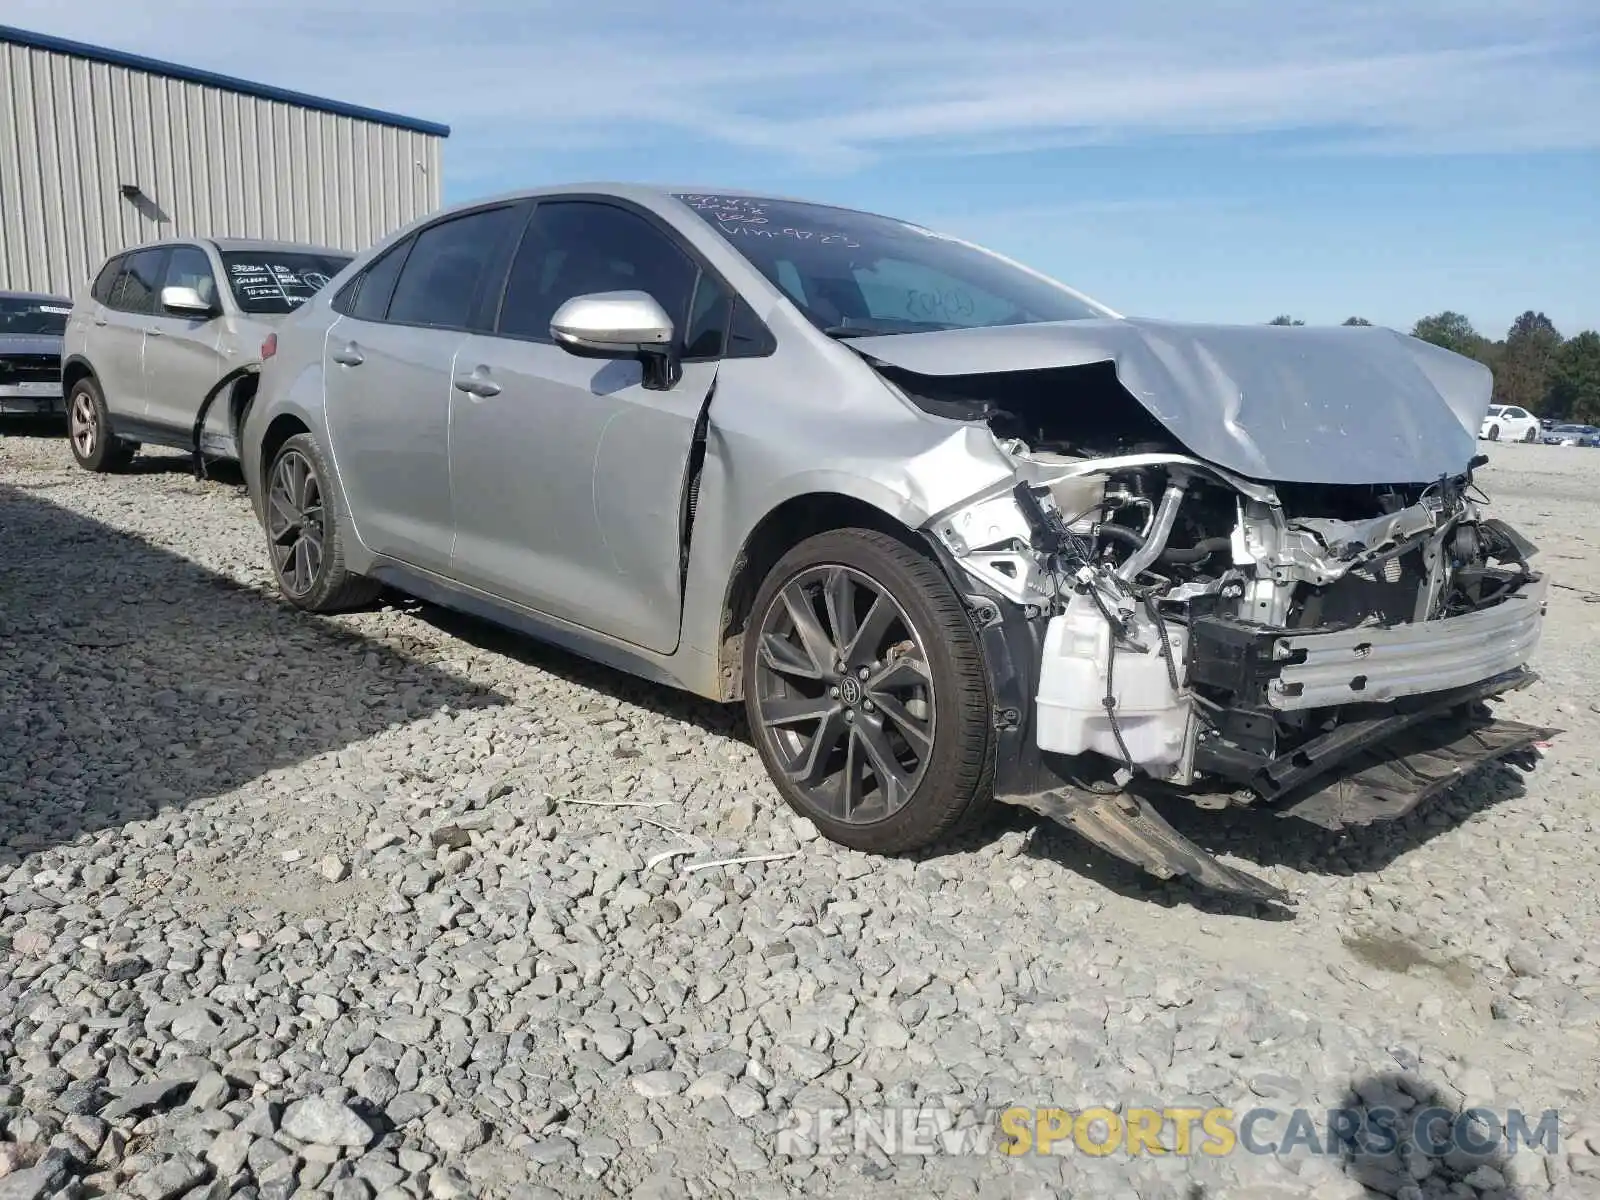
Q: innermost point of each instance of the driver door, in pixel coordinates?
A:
(182, 358)
(567, 473)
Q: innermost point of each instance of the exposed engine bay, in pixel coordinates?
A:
(1234, 640)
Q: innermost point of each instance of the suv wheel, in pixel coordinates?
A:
(1531, 434)
(303, 535)
(1494, 433)
(866, 694)
(89, 434)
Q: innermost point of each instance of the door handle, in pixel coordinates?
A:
(477, 384)
(349, 356)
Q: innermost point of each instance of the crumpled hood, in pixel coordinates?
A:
(1342, 405)
(29, 343)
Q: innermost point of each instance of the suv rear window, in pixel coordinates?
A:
(276, 282)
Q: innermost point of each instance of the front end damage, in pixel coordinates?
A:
(1157, 624)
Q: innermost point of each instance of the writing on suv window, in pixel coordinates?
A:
(854, 274)
(273, 282)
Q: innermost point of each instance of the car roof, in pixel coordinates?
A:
(44, 297)
(647, 192)
(248, 245)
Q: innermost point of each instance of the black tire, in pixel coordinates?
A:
(1494, 433)
(304, 542)
(95, 447)
(927, 706)
(1529, 436)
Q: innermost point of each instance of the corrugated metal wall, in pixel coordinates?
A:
(212, 162)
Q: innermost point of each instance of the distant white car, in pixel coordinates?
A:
(1507, 423)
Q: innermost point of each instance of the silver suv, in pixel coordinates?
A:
(951, 530)
(157, 350)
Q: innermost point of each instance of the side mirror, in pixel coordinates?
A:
(619, 325)
(186, 300)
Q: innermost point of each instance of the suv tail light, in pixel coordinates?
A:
(269, 347)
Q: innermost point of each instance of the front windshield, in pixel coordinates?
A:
(269, 281)
(854, 273)
(34, 315)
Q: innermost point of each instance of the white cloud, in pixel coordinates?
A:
(833, 84)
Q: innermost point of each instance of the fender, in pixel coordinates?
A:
(222, 385)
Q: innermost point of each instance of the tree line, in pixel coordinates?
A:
(1534, 366)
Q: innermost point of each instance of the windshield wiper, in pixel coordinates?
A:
(855, 331)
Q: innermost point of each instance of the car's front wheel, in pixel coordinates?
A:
(303, 534)
(1530, 435)
(866, 694)
(94, 446)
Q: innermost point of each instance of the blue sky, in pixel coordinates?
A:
(1225, 161)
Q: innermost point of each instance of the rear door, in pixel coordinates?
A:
(116, 338)
(568, 479)
(387, 366)
(181, 356)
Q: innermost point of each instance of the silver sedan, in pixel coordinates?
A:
(951, 530)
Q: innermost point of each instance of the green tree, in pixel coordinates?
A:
(1575, 380)
(1452, 331)
(1523, 368)
(1285, 320)
(1357, 321)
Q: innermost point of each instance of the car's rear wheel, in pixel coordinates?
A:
(866, 693)
(1494, 433)
(303, 534)
(94, 446)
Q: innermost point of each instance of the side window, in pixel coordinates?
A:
(440, 280)
(139, 283)
(706, 332)
(1516, 414)
(574, 247)
(103, 282)
(366, 297)
(188, 266)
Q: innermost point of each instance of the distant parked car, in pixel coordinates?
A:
(155, 339)
(1507, 423)
(1572, 435)
(31, 325)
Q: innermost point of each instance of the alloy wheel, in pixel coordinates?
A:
(83, 425)
(295, 522)
(844, 695)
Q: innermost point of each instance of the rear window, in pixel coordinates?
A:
(274, 282)
(34, 314)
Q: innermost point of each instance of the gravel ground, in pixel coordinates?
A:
(377, 906)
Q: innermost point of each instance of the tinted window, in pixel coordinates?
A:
(108, 276)
(274, 281)
(138, 283)
(852, 271)
(574, 247)
(34, 314)
(706, 332)
(188, 266)
(375, 285)
(439, 283)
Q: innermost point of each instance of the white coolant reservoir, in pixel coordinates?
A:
(1152, 716)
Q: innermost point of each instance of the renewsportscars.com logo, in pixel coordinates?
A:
(1099, 1132)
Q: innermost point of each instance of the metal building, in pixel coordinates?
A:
(101, 150)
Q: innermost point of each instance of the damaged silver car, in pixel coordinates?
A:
(952, 531)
